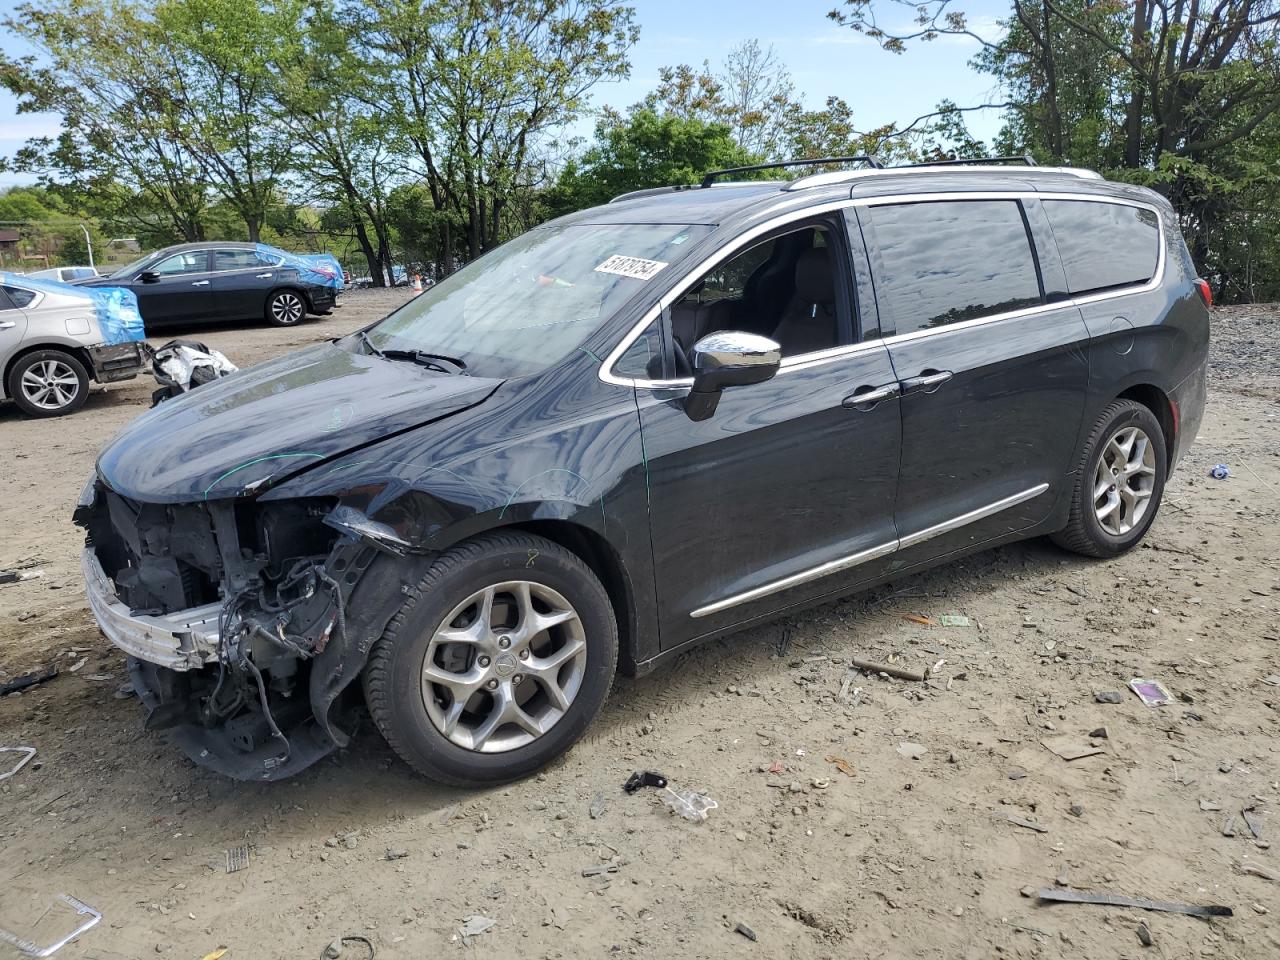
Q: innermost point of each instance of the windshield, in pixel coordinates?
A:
(131, 269)
(533, 300)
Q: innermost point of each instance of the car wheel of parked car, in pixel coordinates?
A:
(1118, 484)
(48, 383)
(285, 308)
(496, 663)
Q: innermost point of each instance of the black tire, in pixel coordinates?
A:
(65, 366)
(286, 308)
(392, 677)
(1084, 532)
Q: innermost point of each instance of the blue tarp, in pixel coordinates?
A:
(326, 262)
(309, 269)
(116, 308)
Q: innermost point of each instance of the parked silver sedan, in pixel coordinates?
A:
(53, 342)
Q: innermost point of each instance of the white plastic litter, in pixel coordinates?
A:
(689, 803)
(27, 754)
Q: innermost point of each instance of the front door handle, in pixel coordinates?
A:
(928, 381)
(264, 276)
(864, 398)
(200, 283)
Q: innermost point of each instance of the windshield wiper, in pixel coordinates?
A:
(364, 338)
(429, 360)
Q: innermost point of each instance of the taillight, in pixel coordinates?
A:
(1206, 292)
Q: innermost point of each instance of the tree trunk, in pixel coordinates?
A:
(1133, 114)
(1056, 146)
(370, 255)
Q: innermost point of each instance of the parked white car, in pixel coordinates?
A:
(65, 274)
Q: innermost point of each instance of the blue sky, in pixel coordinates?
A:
(824, 60)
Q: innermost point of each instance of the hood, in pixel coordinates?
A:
(240, 434)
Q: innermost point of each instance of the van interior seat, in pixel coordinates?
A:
(809, 321)
(691, 321)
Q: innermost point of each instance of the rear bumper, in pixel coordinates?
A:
(181, 641)
(1189, 397)
(117, 361)
(322, 299)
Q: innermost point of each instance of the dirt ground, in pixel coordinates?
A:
(898, 857)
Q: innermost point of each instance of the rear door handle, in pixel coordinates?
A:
(7, 324)
(928, 381)
(200, 283)
(264, 276)
(864, 398)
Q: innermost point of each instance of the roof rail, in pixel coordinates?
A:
(950, 167)
(1025, 159)
(873, 162)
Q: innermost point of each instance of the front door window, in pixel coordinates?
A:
(180, 263)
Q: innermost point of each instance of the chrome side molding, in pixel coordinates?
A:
(871, 553)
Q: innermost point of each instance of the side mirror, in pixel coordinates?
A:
(728, 359)
(149, 276)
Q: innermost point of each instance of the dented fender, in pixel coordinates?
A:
(513, 461)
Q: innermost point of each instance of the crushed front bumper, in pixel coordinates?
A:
(182, 640)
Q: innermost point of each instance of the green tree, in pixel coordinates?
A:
(476, 85)
(346, 147)
(752, 94)
(644, 150)
(98, 68)
(221, 55)
(1180, 96)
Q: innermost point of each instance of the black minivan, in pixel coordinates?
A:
(634, 429)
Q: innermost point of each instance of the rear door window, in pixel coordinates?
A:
(236, 259)
(947, 261)
(1104, 246)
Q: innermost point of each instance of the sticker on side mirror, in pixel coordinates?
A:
(635, 267)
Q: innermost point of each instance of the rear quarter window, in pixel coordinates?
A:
(947, 261)
(1104, 246)
(18, 296)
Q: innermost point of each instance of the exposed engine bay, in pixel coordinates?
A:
(238, 619)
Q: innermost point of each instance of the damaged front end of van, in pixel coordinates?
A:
(246, 613)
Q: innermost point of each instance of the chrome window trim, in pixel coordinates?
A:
(210, 255)
(871, 553)
(691, 276)
(804, 360)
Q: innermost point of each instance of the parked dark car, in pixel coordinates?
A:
(631, 430)
(198, 282)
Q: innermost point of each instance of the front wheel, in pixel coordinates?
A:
(1119, 482)
(48, 383)
(496, 663)
(285, 308)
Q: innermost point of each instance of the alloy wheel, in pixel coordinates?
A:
(504, 666)
(287, 308)
(1124, 481)
(50, 384)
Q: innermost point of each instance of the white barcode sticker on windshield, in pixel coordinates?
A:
(635, 267)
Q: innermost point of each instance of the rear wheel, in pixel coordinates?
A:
(286, 308)
(496, 663)
(1119, 482)
(48, 383)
